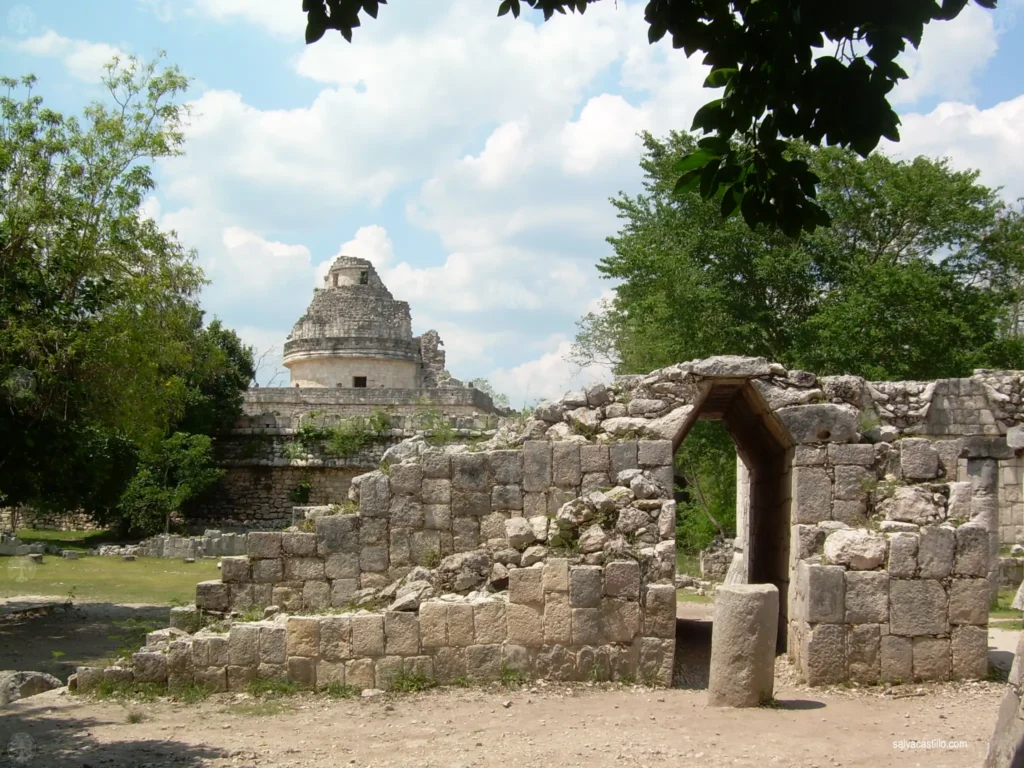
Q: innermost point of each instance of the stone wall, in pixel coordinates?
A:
(270, 404)
(379, 372)
(45, 521)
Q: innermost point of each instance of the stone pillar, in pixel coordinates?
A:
(984, 477)
(738, 568)
(743, 637)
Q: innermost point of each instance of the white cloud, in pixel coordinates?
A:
(607, 127)
(952, 54)
(547, 377)
(991, 140)
(281, 19)
(84, 60)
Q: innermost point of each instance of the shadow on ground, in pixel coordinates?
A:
(34, 735)
(693, 654)
(59, 640)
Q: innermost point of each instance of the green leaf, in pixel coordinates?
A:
(693, 161)
(686, 183)
(708, 184)
(719, 78)
(505, 7)
(706, 117)
(730, 201)
(314, 31)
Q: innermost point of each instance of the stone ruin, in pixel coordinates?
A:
(550, 548)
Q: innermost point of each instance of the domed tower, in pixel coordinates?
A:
(354, 334)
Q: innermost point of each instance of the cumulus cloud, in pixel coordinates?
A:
(548, 376)
(84, 60)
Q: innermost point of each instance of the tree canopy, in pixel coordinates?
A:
(788, 70)
(103, 351)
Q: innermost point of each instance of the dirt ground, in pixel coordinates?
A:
(537, 725)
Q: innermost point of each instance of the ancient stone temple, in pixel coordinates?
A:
(356, 335)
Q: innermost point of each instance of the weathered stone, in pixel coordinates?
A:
(519, 532)
(462, 571)
(374, 495)
(623, 456)
(536, 465)
(972, 550)
(911, 504)
(918, 459)
(592, 540)
(857, 549)
(622, 579)
(594, 458)
(867, 597)
(298, 544)
(812, 495)
(483, 662)
(863, 654)
(360, 673)
(659, 614)
(744, 633)
(401, 634)
(903, 555)
(305, 569)
(931, 658)
(958, 508)
(436, 464)
(935, 549)
(897, 659)
(406, 479)
(852, 482)
(466, 503)
(807, 541)
(460, 624)
(149, 667)
(968, 601)
(917, 607)
(235, 569)
(969, 650)
(557, 618)
(533, 555)
(338, 533)
(367, 635)
(336, 638)
(212, 596)
(860, 454)
(585, 586)
(273, 645)
(823, 653)
(525, 624)
(373, 559)
(822, 591)
(525, 586)
(586, 626)
(470, 471)
(819, 423)
(489, 622)
(556, 575)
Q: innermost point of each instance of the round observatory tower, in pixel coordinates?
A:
(354, 334)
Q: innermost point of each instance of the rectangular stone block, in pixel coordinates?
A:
(304, 569)
(525, 625)
(373, 559)
(622, 579)
(264, 544)
(373, 532)
(489, 626)
(586, 626)
(449, 664)
(483, 662)
(594, 458)
(969, 647)
(437, 517)
(235, 570)
(218, 651)
(623, 455)
(863, 653)
(437, 491)
(565, 467)
(659, 615)
(594, 481)
(917, 607)
(968, 601)
(341, 565)
(303, 636)
(328, 672)
(214, 679)
(316, 595)
(405, 479)
(506, 467)
(525, 586)
(823, 589)
(273, 644)
(302, 670)
(536, 465)
(470, 472)
(931, 658)
(406, 512)
(655, 453)
(557, 618)
(336, 638)
(240, 597)
(851, 482)
(466, 533)
(972, 550)
(897, 659)
(809, 455)
(240, 677)
(244, 645)
(420, 666)
(298, 544)
(460, 625)
(343, 591)
(399, 552)
(654, 662)
(535, 504)
(557, 497)
(853, 513)
(360, 674)
(374, 496)
(812, 495)
(401, 634)
(903, 555)
(367, 635)
(585, 586)
(466, 503)
(620, 620)
(436, 464)
(867, 597)
(850, 453)
(823, 653)
(338, 533)
(212, 596)
(433, 624)
(506, 497)
(935, 550)
(425, 548)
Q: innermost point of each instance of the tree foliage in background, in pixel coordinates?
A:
(103, 353)
(920, 276)
(498, 398)
(788, 70)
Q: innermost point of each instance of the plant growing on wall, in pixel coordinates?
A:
(301, 492)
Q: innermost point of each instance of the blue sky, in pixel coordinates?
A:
(471, 158)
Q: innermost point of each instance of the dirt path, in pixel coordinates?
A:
(540, 726)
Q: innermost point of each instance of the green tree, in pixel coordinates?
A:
(499, 399)
(778, 85)
(918, 277)
(103, 353)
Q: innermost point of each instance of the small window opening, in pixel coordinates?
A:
(359, 381)
(364, 279)
(335, 279)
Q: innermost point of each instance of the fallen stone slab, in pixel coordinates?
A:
(21, 685)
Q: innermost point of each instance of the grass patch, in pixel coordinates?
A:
(1002, 609)
(135, 716)
(78, 540)
(690, 597)
(147, 580)
(1015, 625)
(337, 690)
(253, 613)
(771, 703)
(688, 564)
(512, 678)
(411, 682)
(265, 708)
(191, 693)
(109, 690)
(270, 687)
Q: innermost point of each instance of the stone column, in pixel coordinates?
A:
(984, 477)
(738, 567)
(743, 637)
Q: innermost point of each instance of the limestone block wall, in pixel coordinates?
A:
(339, 371)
